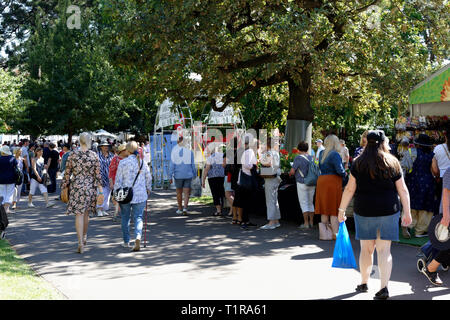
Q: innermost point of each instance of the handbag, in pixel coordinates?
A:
(18, 176)
(245, 182)
(65, 195)
(325, 231)
(343, 256)
(46, 179)
(125, 195)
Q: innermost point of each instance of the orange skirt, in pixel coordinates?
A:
(328, 194)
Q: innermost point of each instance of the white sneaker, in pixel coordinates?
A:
(105, 213)
(31, 205)
(126, 245)
(268, 227)
(179, 212)
(50, 204)
(185, 212)
(304, 226)
(99, 213)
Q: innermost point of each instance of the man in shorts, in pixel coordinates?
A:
(182, 169)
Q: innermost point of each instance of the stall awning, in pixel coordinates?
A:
(435, 88)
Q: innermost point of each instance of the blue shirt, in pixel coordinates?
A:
(64, 160)
(7, 172)
(332, 164)
(182, 165)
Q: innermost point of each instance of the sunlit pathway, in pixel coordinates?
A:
(198, 257)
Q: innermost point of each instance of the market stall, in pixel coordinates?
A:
(170, 121)
(429, 109)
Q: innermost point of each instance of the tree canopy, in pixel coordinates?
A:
(322, 61)
(357, 54)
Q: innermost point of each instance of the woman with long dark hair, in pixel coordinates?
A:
(376, 181)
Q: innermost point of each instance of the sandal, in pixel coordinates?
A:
(234, 221)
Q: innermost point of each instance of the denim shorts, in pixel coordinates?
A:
(183, 183)
(367, 227)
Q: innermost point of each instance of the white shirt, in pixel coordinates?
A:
(248, 159)
(442, 156)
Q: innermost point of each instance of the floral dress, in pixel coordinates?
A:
(82, 176)
(420, 183)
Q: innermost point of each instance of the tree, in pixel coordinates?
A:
(10, 100)
(336, 53)
(70, 85)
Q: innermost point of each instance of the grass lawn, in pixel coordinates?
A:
(18, 281)
(202, 199)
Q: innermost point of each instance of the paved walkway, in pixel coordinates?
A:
(199, 256)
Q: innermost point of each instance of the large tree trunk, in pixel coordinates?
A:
(300, 114)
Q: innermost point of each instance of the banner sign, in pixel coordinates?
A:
(227, 116)
(166, 116)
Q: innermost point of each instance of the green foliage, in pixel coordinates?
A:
(332, 53)
(10, 102)
(71, 85)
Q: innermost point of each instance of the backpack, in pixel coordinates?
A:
(313, 173)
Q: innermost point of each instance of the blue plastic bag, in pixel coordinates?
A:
(343, 256)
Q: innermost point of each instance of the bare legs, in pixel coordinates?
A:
(180, 198)
(81, 226)
(383, 248)
(334, 223)
(183, 192)
(230, 197)
(308, 217)
(186, 194)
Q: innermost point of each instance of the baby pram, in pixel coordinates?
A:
(426, 254)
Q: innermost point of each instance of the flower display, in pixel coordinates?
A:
(286, 159)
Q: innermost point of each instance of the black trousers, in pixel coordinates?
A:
(443, 257)
(52, 174)
(217, 190)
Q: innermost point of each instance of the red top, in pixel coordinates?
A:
(113, 168)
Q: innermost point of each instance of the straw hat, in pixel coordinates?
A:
(122, 147)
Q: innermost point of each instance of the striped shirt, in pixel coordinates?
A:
(104, 167)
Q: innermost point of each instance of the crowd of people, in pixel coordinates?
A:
(389, 189)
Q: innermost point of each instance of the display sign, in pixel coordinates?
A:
(227, 116)
(166, 116)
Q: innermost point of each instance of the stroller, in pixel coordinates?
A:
(425, 255)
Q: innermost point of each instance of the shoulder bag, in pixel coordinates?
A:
(125, 195)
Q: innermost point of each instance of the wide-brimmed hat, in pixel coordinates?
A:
(103, 143)
(424, 140)
(121, 147)
(438, 234)
(5, 150)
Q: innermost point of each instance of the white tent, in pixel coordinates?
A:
(103, 134)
